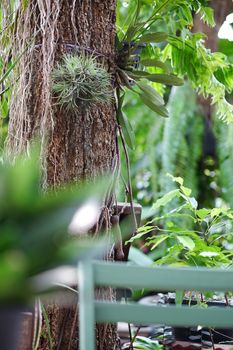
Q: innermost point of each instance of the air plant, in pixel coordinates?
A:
(81, 82)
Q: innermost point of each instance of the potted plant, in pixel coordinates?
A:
(143, 343)
(34, 237)
(191, 236)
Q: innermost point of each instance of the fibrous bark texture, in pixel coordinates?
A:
(73, 145)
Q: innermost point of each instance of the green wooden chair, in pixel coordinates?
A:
(100, 273)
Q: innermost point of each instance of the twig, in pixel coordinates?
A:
(73, 328)
(37, 324)
(130, 337)
(135, 335)
(129, 328)
(226, 299)
(212, 338)
(62, 329)
(222, 334)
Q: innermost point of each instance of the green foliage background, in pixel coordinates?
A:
(174, 145)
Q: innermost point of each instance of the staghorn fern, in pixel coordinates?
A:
(80, 82)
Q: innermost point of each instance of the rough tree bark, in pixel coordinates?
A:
(73, 146)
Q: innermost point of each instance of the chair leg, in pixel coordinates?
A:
(86, 306)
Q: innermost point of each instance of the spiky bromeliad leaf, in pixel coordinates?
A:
(80, 82)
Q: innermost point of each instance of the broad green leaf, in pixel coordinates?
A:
(152, 93)
(121, 101)
(187, 13)
(178, 264)
(4, 108)
(180, 44)
(138, 74)
(143, 339)
(177, 179)
(126, 129)
(193, 202)
(161, 110)
(159, 241)
(209, 254)
(216, 212)
(165, 79)
(146, 343)
(202, 213)
(131, 17)
(207, 15)
(179, 297)
(153, 37)
(167, 52)
(146, 228)
(154, 63)
(131, 23)
(217, 228)
(187, 191)
(141, 232)
(168, 197)
(137, 236)
(139, 257)
(186, 242)
(132, 30)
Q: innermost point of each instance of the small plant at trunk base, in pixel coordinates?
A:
(205, 241)
(80, 82)
(144, 343)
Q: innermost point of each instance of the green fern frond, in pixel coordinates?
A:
(190, 57)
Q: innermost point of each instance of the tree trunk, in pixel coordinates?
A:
(221, 8)
(73, 145)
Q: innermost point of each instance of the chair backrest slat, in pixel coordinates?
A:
(170, 315)
(99, 273)
(161, 277)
